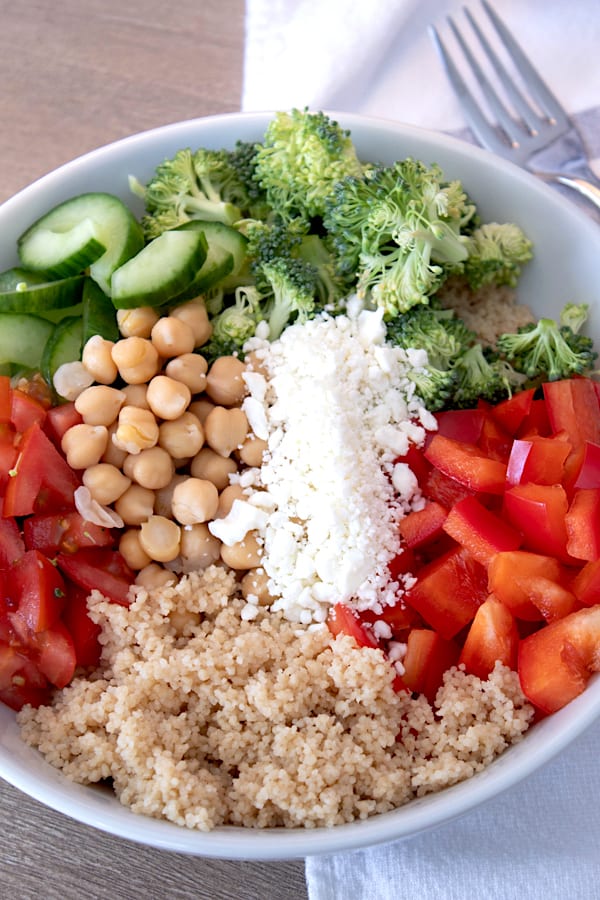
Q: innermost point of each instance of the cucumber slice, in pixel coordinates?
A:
(63, 346)
(30, 296)
(221, 235)
(98, 313)
(23, 338)
(10, 279)
(163, 269)
(224, 260)
(51, 242)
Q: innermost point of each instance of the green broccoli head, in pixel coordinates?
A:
(548, 351)
(434, 386)
(302, 156)
(293, 286)
(480, 374)
(399, 229)
(438, 331)
(496, 255)
(234, 324)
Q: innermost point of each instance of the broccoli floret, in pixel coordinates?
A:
(192, 185)
(438, 331)
(398, 228)
(235, 324)
(481, 375)
(574, 316)
(331, 287)
(548, 351)
(243, 160)
(302, 156)
(293, 286)
(434, 386)
(496, 255)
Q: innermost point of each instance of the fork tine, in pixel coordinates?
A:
(485, 133)
(543, 95)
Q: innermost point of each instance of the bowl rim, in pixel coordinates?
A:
(276, 844)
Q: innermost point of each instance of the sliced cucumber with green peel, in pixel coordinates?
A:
(225, 257)
(63, 346)
(23, 338)
(56, 242)
(19, 292)
(162, 270)
(98, 313)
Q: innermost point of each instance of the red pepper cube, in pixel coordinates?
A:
(511, 413)
(344, 620)
(448, 591)
(538, 459)
(573, 407)
(510, 575)
(480, 531)
(493, 637)
(428, 656)
(583, 525)
(586, 584)
(536, 422)
(423, 526)
(461, 424)
(538, 511)
(467, 464)
(588, 475)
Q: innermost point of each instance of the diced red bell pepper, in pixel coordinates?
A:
(37, 590)
(428, 656)
(494, 442)
(26, 411)
(98, 569)
(59, 419)
(415, 460)
(583, 525)
(492, 637)
(479, 530)
(538, 459)
(448, 591)
(404, 562)
(555, 663)
(83, 631)
(573, 407)
(423, 526)
(511, 413)
(510, 575)
(586, 584)
(536, 422)
(399, 617)
(343, 620)
(538, 511)
(56, 655)
(66, 532)
(588, 475)
(42, 480)
(444, 490)
(553, 599)
(12, 546)
(462, 425)
(466, 464)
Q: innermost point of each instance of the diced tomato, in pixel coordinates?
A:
(11, 543)
(98, 569)
(20, 680)
(59, 419)
(583, 525)
(479, 530)
(426, 659)
(573, 407)
(83, 631)
(511, 413)
(26, 411)
(448, 591)
(555, 663)
(586, 584)
(56, 655)
(8, 457)
(5, 399)
(492, 637)
(343, 620)
(538, 511)
(37, 590)
(509, 577)
(65, 532)
(466, 464)
(538, 459)
(422, 526)
(42, 482)
(536, 422)
(461, 424)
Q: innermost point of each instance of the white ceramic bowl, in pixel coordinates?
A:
(566, 268)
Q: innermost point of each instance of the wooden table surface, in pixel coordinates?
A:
(75, 75)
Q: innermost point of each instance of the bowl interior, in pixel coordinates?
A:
(566, 268)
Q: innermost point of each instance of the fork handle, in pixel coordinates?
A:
(582, 186)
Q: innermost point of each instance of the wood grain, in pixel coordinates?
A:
(76, 75)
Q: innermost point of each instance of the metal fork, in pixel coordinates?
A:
(535, 132)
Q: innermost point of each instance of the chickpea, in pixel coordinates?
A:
(113, 455)
(167, 398)
(136, 359)
(182, 437)
(254, 362)
(225, 429)
(160, 538)
(201, 408)
(163, 498)
(137, 430)
(172, 337)
(245, 554)
(194, 500)
(154, 576)
(97, 359)
(224, 383)
(99, 404)
(226, 497)
(135, 505)
(252, 451)
(132, 551)
(135, 395)
(199, 548)
(189, 368)
(83, 445)
(210, 465)
(256, 583)
(105, 483)
(194, 314)
(152, 468)
(137, 322)
(71, 379)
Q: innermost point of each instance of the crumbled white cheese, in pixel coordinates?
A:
(338, 409)
(241, 518)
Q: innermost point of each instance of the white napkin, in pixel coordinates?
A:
(541, 840)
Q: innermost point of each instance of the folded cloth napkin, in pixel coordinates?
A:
(541, 839)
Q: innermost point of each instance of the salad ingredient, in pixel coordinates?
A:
(496, 255)
(23, 337)
(63, 346)
(22, 291)
(325, 737)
